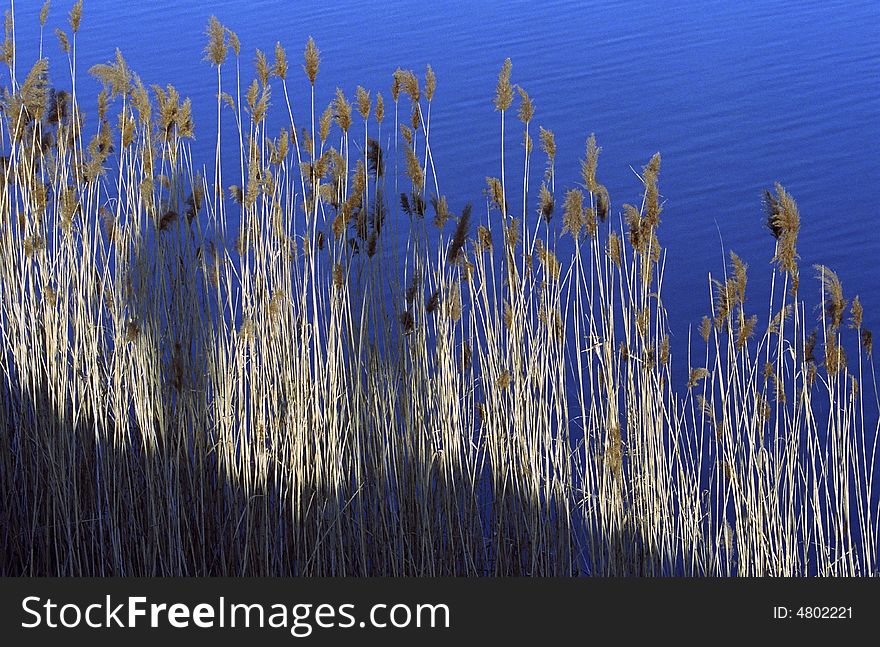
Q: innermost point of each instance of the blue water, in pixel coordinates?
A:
(735, 96)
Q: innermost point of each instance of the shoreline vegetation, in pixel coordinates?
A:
(317, 367)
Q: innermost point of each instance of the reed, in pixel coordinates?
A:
(295, 374)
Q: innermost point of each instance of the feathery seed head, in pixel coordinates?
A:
(261, 65)
(363, 102)
(430, 83)
(495, 193)
(573, 213)
(63, 42)
(215, 50)
(526, 107)
(784, 222)
(857, 311)
(548, 144)
(504, 90)
(588, 165)
(835, 303)
(380, 108)
(312, 60)
(279, 67)
(75, 16)
(615, 249)
(342, 109)
(706, 328)
(234, 42)
(696, 375)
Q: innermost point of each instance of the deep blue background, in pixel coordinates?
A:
(735, 95)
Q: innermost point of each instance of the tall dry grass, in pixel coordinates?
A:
(324, 366)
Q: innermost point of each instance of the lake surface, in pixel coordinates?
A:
(735, 96)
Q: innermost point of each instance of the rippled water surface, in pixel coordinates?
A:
(735, 95)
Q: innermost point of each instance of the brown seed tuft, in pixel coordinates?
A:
(215, 50)
(504, 90)
(312, 60)
(526, 108)
(696, 375)
(430, 83)
(588, 165)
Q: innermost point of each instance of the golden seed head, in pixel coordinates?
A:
(396, 83)
(342, 108)
(504, 90)
(279, 67)
(410, 83)
(588, 165)
(746, 330)
(363, 103)
(75, 16)
(115, 75)
(696, 375)
(44, 13)
(495, 193)
(784, 222)
(407, 134)
(526, 108)
(416, 118)
(312, 58)
(261, 65)
(857, 313)
(548, 143)
(615, 248)
(573, 213)
(441, 211)
(706, 328)
(324, 122)
(414, 170)
(215, 50)
(62, 41)
(835, 303)
(835, 357)
(650, 175)
(234, 42)
(380, 108)
(430, 83)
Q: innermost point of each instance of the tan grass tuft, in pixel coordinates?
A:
(526, 107)
(835, 303)
(312, 60)
(504, 90)
(75, 16)
(696, 375)
(280, 66)
(589, 164)
(430, 83)
(215, 50)
(573, 213)
(364, 106)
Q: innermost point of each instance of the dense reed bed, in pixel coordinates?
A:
(322, 366)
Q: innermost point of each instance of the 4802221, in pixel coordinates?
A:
(824, 613)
